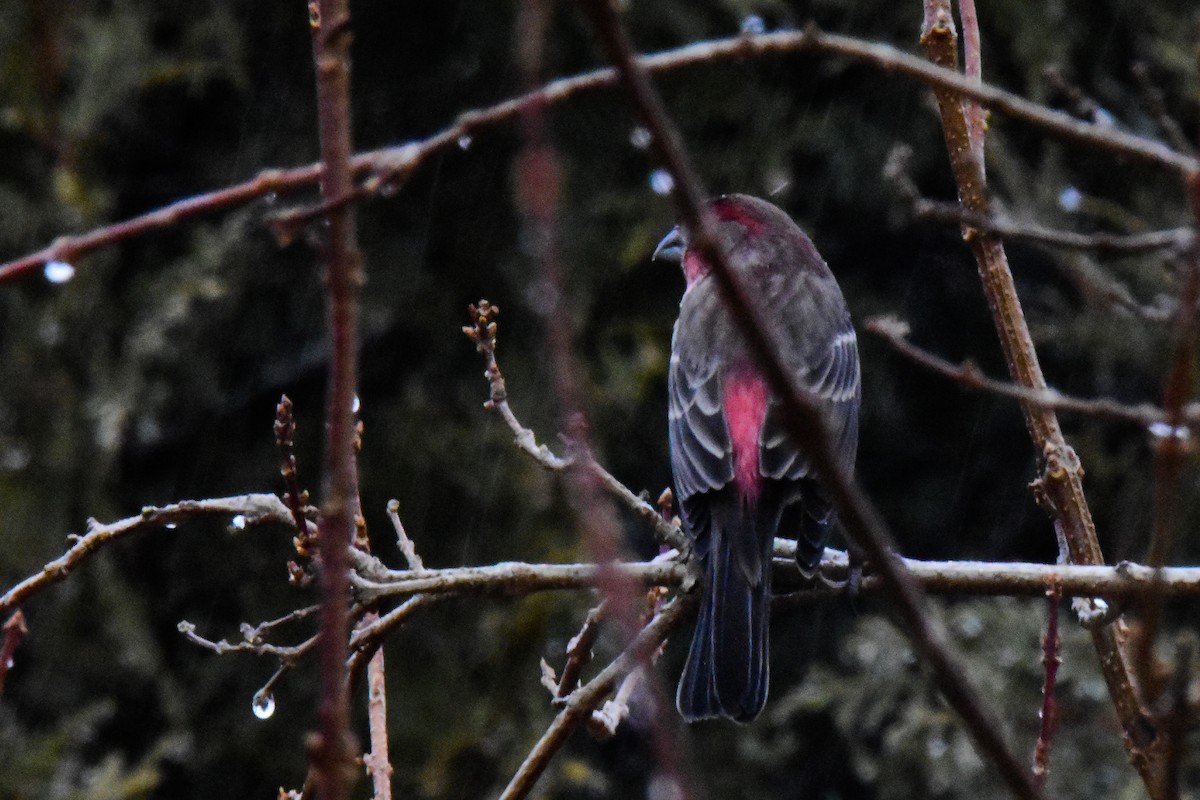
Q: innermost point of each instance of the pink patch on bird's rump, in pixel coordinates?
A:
(745, 410)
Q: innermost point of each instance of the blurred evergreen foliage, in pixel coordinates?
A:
(152, 376)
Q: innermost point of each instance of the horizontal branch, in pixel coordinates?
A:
(1175, 240)
(986, 578)
(967, 375)
(389, 167)
(253, 508)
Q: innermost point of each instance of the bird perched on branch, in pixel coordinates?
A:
(739, 477)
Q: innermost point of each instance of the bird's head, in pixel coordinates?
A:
(750, 231)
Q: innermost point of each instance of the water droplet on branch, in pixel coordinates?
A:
(753, 24)
(263, 704)
(464, 142)
(58, 271)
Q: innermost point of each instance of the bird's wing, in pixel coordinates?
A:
(701, 452)
(831, 373)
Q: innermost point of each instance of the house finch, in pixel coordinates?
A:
(739, 477)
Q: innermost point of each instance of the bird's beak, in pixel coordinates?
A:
(671, 247)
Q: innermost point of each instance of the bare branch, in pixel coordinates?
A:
(330, 24)
(377, 762)
(387, 168)
(14, 631)
(1172, 446)
(895, 332)
(973, 70)
(1050, 662)
(582, 701)
(940, 577)
(407, 548)
(1172, 239)
(288, 654)
(483, 331)
(1060, 488)
(252, 509)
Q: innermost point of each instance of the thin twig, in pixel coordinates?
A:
(1172, 445)
(483, 332)
(579, 652)
(1157, 106)
(1171, 239)
(407, 548)
(256, 633)
(895, 332)
(1178, 716)
(973, 70)
(285, 440)
(14, 631)
(252, 508)
(387, 168)
(1050, 662)
(583, 700)
(377, 762)
(285, 653)
(367, 639)
(1060, 487)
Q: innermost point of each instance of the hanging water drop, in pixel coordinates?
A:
(355, 405)
(753, 24)
(238, 522)
(263, 704)
(171, 526)
(464, 142)
(640, 138)
(661, 182)
(58, 271)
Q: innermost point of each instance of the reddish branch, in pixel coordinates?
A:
(330, 22)
(390, 167)
(1050, 662)
(973, 70)
(538, 178)
(1060, 487)
(14, 631)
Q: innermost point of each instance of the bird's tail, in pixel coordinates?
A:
(726, 670)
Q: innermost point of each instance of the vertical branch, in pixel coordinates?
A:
(1171, 448)
(1050, 662)
(538, 180)
(1061, 485)
(378, 765)
(802, 414)
(973, 69)
(330, 23)
(14, 631)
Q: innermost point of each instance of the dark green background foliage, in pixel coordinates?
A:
(152, 376)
